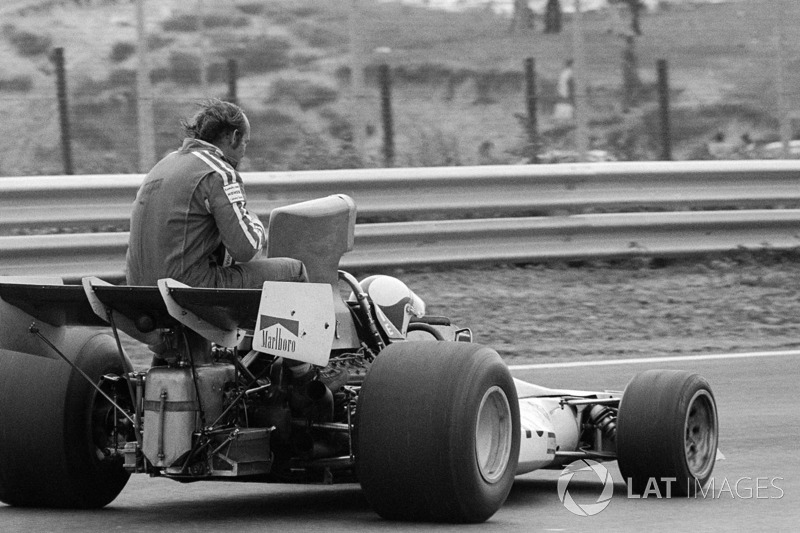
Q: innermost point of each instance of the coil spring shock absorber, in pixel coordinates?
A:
(604, 419)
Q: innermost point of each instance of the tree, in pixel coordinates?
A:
(635, 7)
(552, 17)
(522, 16)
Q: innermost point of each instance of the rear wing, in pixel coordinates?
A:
(305, 313)
(138, 311)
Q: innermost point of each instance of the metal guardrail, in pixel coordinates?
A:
(458, 242)
(99, 200)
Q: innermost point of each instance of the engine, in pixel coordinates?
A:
(244, 416)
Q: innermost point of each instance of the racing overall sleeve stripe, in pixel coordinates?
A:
(217, 165)
(253, 231)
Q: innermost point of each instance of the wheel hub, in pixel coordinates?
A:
(700, 434)
(493, 434)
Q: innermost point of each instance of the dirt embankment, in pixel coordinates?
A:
(627, 310)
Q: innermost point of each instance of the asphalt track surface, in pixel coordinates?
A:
(756, 488)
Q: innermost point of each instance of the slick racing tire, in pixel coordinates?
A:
(667, 433)
(54, 426)
(437, 432)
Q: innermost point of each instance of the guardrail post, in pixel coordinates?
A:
(233, 76)
(63, 109)
(530, 105)
(663, 101)
(385, 79)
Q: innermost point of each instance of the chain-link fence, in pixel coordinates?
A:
(459, 91)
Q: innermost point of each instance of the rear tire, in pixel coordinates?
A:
(437, 432)
(667, 428)
(50, 451)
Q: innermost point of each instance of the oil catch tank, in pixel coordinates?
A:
(172, 408)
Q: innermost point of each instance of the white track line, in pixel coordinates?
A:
(645, 360)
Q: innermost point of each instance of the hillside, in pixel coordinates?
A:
(458, 90)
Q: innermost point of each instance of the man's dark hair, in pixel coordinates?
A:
(215, 119)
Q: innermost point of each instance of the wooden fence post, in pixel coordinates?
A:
(63, 110)
(663, 101)
(385, 80)
(531, 102)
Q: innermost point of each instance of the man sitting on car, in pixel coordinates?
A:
(190, 221)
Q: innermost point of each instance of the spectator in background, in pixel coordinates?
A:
(565, 105)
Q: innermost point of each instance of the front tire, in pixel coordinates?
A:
(667, 429)
(437, 432)
(51, 442)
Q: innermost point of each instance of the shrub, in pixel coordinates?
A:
(21, 84)
(157, 42)
(318, 36)
(159, 74)
(92, 134)
(304, 11)
(339, 127)
(28, 44)
(180, 23)
(434, 148)
(305, 93)
(424, 73)
(184, 69)
(189, 23)
(104, 124)
(122, 77)
(484, 85)
(85, 85)
(694, 122)
(314, 153)
(223, 21)
(489, 84)
(251, 9)
(122, 51)
(262, 54)
(217, 72)
(274, 117)
(274, 136)
(300, 61)
(343, 74)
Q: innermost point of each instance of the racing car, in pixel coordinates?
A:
(431, 424)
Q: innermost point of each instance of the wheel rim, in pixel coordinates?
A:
(493, 434)
(700, 436)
